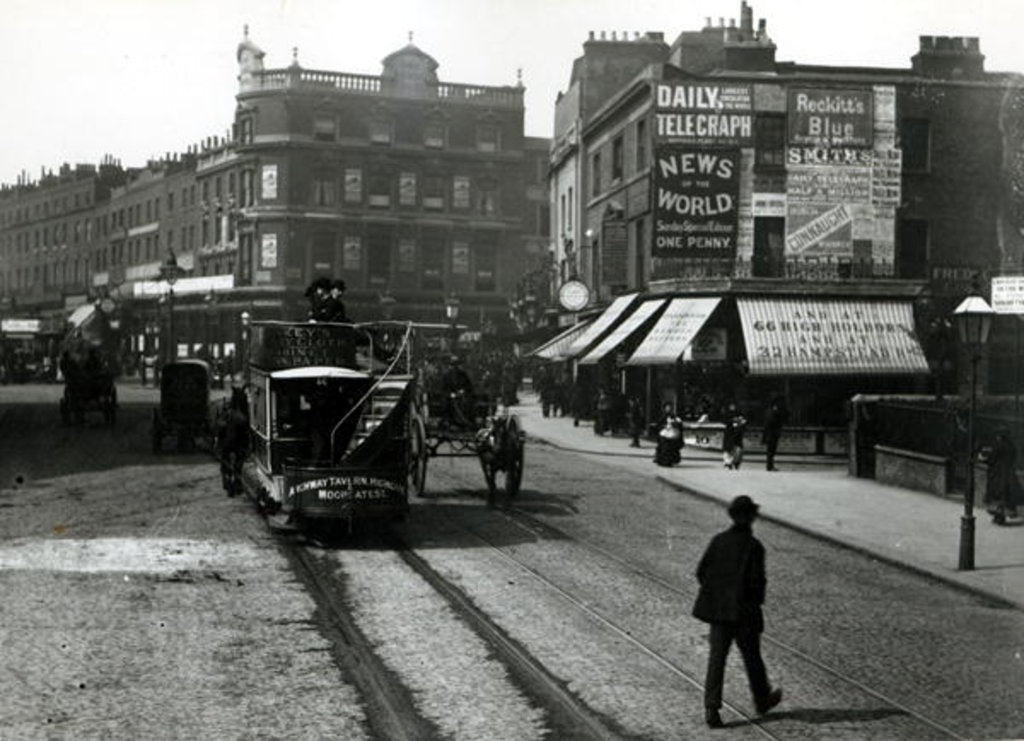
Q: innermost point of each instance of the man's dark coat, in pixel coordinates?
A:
(732, 580)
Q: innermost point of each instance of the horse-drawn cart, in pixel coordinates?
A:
(461, 422)
(88, 363)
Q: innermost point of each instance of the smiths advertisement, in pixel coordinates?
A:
(719, 115)
(696, 201)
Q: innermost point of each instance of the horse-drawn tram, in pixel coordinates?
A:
(331, 426)
(341, 423)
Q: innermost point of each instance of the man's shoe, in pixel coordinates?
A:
(713, 719)
(773, 699)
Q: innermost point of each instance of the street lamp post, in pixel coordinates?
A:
(243, 355)
(973, 318)
(451, 312)
(170, 271)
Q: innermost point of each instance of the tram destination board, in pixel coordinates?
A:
(280, 346)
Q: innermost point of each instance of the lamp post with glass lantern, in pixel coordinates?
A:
(243, 355)
(973, 319)
(170, 271)
(451, 312)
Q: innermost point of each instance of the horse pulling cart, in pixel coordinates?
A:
(461, 423)
(340, 428)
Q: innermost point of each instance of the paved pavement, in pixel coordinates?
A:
(910, 529)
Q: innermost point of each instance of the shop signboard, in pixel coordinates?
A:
(696, 202)
(709, 344)
(828, 117)
(710, 114)
(1008, 294)
(20, 326)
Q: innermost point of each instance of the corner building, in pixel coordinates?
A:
(405, 187)
(751, 227)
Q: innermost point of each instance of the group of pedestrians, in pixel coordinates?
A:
(668, 451)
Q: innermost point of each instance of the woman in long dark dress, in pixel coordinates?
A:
(670, 438)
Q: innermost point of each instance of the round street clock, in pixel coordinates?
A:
(573, 295)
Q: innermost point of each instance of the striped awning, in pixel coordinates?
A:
(621, 333)
(602, 324)
(674, 332)
(557, 347)
(820, 337)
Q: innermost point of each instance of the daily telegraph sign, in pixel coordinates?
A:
(1008, 294)
(705, 114)
(830, 117)
(696, 202)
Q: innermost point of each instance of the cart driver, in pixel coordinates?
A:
(458, 390)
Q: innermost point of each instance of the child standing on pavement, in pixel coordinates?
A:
(732, 438)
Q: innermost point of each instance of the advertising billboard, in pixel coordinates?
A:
(827, 117)
(696, 201)
(717, 115)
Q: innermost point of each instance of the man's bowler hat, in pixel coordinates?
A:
(743, 508)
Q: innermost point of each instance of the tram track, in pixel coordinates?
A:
(525, 519)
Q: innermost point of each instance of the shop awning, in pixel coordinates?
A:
(674, 332)
(830, 337)
(602, 324)
(621, 333)
(557, 347)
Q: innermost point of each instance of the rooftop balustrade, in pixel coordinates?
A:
(307, 79)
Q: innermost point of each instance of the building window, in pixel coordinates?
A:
(460, 191)
(380, 132)
(484, 264)
(433, 193)
(460, 258)
(245, 131)
(641, 144)
(595, 174)
(325, 128)
(378, 255)
(432, 261)
(407, 256)
(352, 253)
(562, 216)
(487, 197)
(407, 189)
(170, 202)
(353, 185)
(487, 138)
(912, 249)
(380, 191)
(770, 141)
(617, 159)
(323, 192)
(434, 136)
(915, 141)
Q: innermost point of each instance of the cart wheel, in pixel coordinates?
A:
(417, 479)
(514, 464)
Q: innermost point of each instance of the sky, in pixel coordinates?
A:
(138, 78)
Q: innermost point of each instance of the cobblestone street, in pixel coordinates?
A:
(142, 602)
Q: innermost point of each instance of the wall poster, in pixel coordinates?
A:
(696, 202)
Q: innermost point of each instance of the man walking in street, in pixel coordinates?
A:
(732, 588)
(776, 417)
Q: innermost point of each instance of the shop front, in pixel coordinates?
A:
(706, 352)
